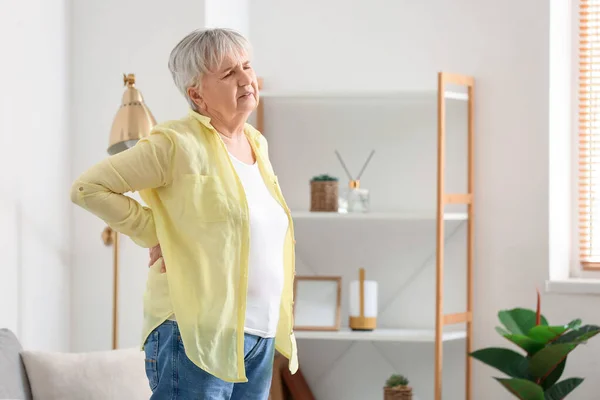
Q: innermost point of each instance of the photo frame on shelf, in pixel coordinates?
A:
(317, 303)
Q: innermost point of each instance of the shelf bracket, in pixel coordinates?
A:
(458, 318)
(458, 199)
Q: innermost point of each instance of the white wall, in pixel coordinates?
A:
(403, 44)
(35, 161)
(110, 38)
(228, 14)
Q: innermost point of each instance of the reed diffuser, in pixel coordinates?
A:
(354, 199)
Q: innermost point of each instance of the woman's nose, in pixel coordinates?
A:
(245, 78)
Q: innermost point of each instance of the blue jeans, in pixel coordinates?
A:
(172, 375)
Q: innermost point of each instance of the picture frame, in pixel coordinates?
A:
(317, 303)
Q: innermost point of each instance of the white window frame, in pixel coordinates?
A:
(576, 270)
(566, 274)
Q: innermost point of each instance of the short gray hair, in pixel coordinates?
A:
(202, 51)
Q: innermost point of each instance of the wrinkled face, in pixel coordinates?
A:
(229, 91)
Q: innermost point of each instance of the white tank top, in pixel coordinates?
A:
(268, 227)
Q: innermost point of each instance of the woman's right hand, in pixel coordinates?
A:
(155, 254)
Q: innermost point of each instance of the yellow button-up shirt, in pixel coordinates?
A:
(197, 211)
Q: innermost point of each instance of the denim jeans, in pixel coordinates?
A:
(172, 375)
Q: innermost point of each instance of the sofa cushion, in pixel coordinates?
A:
(13, 379)
(99, 375)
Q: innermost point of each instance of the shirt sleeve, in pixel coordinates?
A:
(101, 188)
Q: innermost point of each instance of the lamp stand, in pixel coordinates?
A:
(132, 122)
(111, 237)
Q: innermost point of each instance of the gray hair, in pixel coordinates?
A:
(203, 51)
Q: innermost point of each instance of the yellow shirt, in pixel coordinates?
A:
(199, 215)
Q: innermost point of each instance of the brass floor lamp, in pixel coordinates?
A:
(132, 122)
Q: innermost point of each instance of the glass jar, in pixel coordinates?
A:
(354, 199)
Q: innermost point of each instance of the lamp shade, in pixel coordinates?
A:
(133, 120)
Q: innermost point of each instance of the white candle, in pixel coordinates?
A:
(370, 307)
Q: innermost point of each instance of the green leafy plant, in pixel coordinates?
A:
(396, 380)
(324, 177)
(535, 374)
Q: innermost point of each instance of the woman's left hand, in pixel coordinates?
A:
(155, 254)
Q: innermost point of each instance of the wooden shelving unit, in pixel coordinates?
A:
(443, 200)
(440, 216)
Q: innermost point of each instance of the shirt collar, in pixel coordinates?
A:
(203, 119)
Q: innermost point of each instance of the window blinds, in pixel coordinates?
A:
(589, 133)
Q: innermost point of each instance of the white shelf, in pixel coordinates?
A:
(401, 95)
(391, 216)
(381, 335)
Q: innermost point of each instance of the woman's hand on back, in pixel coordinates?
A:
(155, 254)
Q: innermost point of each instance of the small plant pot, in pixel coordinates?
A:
(397, 393)
(324, 196)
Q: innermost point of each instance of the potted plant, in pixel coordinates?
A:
(324, 193)
(396, 388)
(535, 372)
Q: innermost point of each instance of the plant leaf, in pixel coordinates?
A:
(562, 389)
(547, 359)
(555, 375)
(501, 331)
(575, 324)
(580, 335)
(506, 361)
(526, 343)
(546, 334)
(519, 320)
(522, 388)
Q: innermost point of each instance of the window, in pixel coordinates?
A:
(589, 134)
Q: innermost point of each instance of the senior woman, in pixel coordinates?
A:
(219, 292)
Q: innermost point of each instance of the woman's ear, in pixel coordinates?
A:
(196, 98)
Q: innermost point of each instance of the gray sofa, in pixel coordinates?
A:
(27, 374)
(14, 383)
